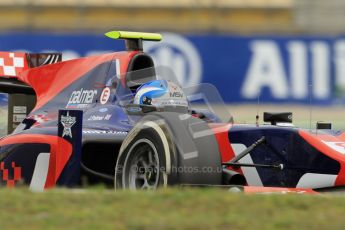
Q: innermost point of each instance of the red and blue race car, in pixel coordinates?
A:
(118, 119)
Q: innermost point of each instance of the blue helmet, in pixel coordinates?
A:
(160, 93)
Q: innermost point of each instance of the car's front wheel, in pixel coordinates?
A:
(143, 164)
(168, 148)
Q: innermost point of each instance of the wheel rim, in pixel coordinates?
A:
(141, 167)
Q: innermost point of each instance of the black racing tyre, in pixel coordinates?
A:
(168, 148)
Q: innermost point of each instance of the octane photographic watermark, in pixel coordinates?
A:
(180, 169)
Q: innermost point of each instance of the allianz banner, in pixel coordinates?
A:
(277, 69)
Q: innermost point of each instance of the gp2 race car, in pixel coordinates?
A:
(120, 120)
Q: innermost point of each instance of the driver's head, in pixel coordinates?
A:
(161, 93)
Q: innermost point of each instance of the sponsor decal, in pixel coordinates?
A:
(81, 98)
(99, 118)
(175, 90)
(19, 109)
(105, 95)
(175, 102)
(17, 174)
(67, 123)
(18, 118)
(176, 94)
(134, 109)
(103, 110)
(105, 132)
(19, 114)
(95, 118)
(107, 117)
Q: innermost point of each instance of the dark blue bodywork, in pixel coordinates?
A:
(284, 146)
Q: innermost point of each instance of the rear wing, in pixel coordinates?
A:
(134, 40)
(21, 97)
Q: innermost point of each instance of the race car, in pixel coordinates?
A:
(118, 119)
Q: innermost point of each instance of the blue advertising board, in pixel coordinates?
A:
(3, 99)
(278, 69)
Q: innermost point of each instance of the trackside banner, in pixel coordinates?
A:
(278, 69)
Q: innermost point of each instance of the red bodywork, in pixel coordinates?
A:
(47, 82)
(319, 142)
(329, 145)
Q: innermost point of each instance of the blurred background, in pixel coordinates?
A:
(262, 55)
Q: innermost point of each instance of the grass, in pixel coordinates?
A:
(167, 209)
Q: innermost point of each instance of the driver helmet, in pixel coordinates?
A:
(161, 94)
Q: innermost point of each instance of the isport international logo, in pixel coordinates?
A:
(178, 53)
(67, 123)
